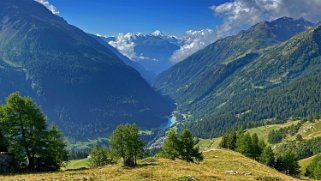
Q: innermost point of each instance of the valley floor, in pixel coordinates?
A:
(217, 165)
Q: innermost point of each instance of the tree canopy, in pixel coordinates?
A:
(125, 143)
(24, 130)
(182, 146)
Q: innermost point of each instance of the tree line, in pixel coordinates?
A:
(255, 148)
(126, 144)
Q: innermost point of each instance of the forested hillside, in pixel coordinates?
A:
(276, 82)
(79, 83)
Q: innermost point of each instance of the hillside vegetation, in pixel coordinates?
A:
(249, 78)
(80, 84)
(217, 165)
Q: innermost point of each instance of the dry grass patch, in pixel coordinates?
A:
(218, 165)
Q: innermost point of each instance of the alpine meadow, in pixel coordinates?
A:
(162, 90)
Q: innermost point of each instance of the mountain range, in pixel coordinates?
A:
(82, 85)
(268, 72)
(153, 51)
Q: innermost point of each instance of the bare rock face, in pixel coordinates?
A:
(6, 162)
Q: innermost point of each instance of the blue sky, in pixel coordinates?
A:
(114, 16)
(208, 20)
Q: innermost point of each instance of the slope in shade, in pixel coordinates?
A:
(78, 82)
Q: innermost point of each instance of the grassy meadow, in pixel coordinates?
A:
(217, 165)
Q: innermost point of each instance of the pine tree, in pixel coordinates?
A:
(287, 163)
(187, 149)
(256, 149)
(56, 148)
(244, 145)
(267, 156)
(171, 145)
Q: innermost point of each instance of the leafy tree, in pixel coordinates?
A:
(170, 148)
(314, 168)
(267, 157)
(187, 149)
(126, 144)
(24, 127)
(99, 156)
(288, 164)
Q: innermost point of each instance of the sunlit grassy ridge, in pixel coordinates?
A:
(217, 165)
(308, 130)
(77, 164)
(264, 131)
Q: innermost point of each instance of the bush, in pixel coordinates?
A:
(99, 156)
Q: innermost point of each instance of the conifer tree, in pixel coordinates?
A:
(267, 156)
(171, 145)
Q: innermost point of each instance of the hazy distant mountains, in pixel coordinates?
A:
(153, 51)
(270, 71)
(80, 84)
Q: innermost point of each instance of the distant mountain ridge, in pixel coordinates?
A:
(79, 83)
(147, 75)
(153, 51)
(231, 81)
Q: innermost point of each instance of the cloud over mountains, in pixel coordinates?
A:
(51, 7)
(243, 13)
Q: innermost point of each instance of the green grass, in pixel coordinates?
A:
(77, 164)
(208, 144)
(83, 145)
(263, 131)
(304, 163)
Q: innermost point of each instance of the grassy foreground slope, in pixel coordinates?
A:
(217, 165)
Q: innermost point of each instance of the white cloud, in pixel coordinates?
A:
(125, 45)
(194, 41)
(240, 13)
(51, 7)
(243, 13)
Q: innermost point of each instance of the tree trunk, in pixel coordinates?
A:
(31, 165)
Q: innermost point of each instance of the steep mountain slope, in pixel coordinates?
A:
(196, 76)
(230, 82)
(153, 51)
(284, 82)
(80, 84)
